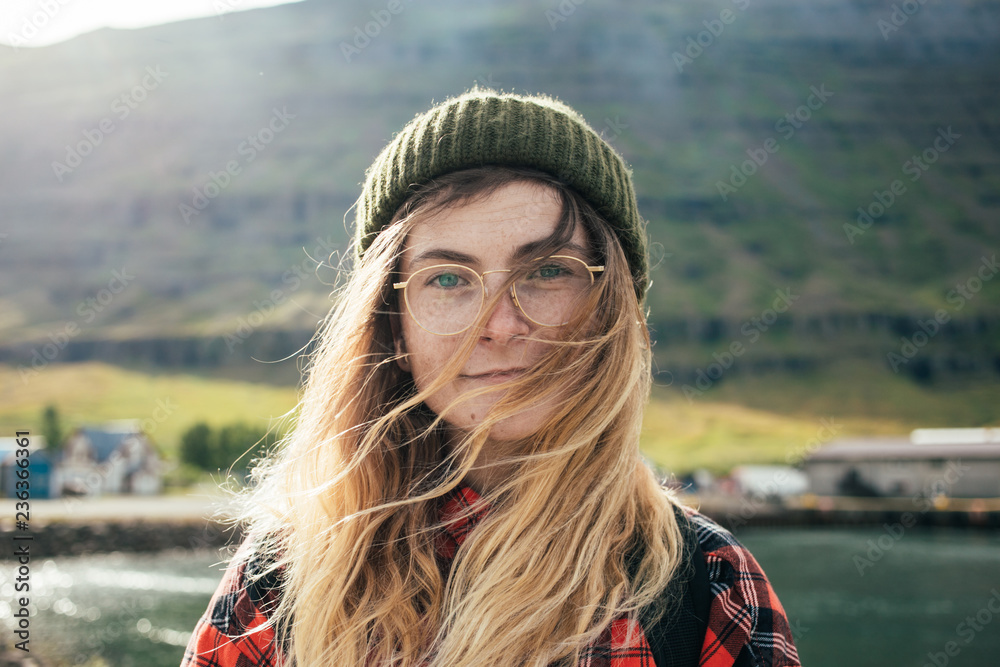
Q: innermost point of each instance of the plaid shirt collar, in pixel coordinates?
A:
(461, 510)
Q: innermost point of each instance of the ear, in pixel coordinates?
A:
(402, 360)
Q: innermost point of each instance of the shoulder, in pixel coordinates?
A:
(747, 624)
(710, 534)
(235, 630)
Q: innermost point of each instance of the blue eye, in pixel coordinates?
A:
(446, 280)
(551, 271)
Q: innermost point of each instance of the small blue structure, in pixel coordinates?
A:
(41, 481)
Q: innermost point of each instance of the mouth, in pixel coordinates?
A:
(496, 377)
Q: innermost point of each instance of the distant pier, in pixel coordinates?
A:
(734, 512)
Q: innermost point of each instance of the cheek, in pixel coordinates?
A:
(427, 354)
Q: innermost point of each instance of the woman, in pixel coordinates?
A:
(463, 485)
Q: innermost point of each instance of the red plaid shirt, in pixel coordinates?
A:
(747, 626)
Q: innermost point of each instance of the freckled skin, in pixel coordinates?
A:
(490, 230)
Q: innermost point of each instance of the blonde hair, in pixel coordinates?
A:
(580, 535)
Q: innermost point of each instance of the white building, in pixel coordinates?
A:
(770, 481)
(959, 463)
(118, 458)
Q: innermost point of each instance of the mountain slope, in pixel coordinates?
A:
(821, 107)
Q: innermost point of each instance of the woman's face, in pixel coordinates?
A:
(484, 235)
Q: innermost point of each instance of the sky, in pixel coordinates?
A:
(33, 23)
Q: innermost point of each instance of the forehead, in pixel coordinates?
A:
(488, 230)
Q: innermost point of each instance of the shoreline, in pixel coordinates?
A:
(73, 526)
(734, 512)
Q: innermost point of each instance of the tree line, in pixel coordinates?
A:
(237, 446)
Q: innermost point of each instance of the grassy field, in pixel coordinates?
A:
(781, 417)
(168, 403)
(745, 420)
(680, 436)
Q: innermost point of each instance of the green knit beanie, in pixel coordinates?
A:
(484, 127)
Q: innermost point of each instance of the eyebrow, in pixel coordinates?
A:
(446, 255)
(522, 253)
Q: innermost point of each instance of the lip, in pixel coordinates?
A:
(496, 377)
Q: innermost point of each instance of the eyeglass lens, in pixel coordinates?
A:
(446, 299)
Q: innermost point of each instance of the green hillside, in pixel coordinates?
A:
(751, 153)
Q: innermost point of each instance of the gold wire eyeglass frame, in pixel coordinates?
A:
(591, 270)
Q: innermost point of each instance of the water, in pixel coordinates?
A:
(871, 597)
(911, 600)
(127, 610)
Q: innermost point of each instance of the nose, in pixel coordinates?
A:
(506, 319)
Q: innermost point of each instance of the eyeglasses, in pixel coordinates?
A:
(446, 299)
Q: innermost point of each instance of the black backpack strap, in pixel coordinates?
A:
(677, 635)
(264, 585)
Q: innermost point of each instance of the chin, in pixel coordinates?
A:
(516, 427)
(502, 432)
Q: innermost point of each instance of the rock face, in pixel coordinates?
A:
(66, 539)
(965, 347)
